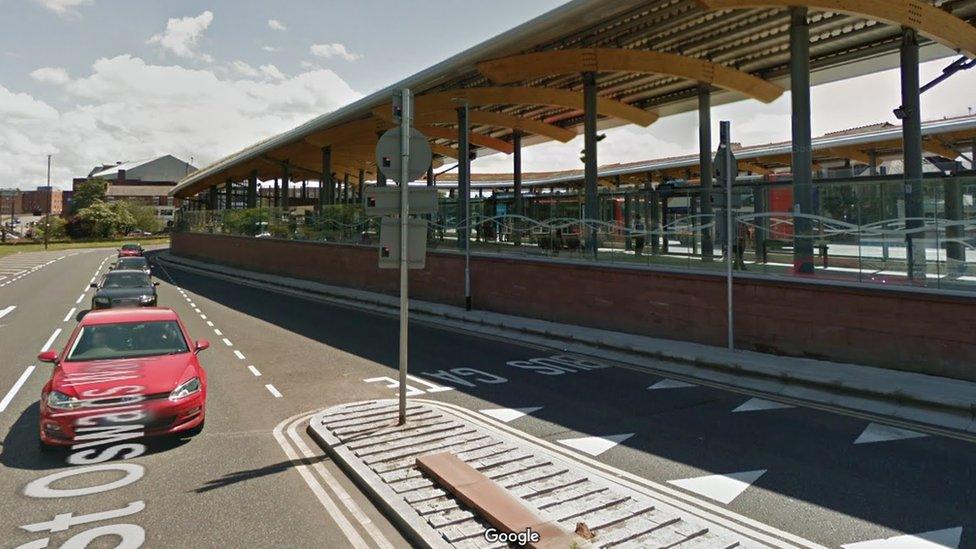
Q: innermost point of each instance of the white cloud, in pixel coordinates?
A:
(182, 35)
(127, 108)
(329, 51)
(244, 69)
(63, 7)
(270, 48)
(274, 24)
(51, 75)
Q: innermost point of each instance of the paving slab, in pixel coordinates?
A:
(557, 488)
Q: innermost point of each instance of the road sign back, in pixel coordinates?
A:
(388, 154)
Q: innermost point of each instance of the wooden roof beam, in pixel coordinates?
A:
(519, 68)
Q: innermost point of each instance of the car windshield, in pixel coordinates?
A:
(132, 263)
(128, 340)
(126, 280)
(130, 246)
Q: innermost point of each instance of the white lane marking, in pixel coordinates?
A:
(595, 446)
(197, 311)
(875, 432)
(203, 316)
(13, 390)
(210, 324)
(721, 488)
(77, 301)
(70, 314)
(239, 354)
(50, 340)
(935, 539)
(271, 389)
(355, 540)
(5, 312)
(194, 305)
(338, 490)
(670, 384)
(228, 343)
(760, 404)
(92, 281)
(254, 371)
(509, 414)
(218, 332)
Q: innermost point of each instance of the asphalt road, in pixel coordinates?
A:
(794, 469)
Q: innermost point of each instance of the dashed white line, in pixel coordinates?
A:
(70, 314)
(228, 343)
(82, 296)
(50, 340)
(272, 390)
(254, 371)
(239, 354)
(203, 316)
(13, 390)
(194, 305)
(5, 312)
(197, 311)
(210, 324)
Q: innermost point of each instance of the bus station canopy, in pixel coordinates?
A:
(651, 58)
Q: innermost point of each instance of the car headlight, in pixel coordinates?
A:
(62, 401)
(185, 389)
(147, 298)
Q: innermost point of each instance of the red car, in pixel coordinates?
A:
(130, 250)
(125, 373)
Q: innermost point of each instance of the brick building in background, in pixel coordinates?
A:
(41, 201)
(145, 182)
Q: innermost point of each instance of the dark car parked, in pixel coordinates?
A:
(124, 288)
(138, 263)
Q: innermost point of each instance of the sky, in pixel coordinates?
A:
(99, 81)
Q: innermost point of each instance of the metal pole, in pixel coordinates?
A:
(728, 177)
(325, 180)
(252, 190)
(590, 158)
(911, 128)
(517, 185)
(464, 199)
(50, 202)
(802, 157)
(285, 184)
(405, 119)
(705, 168)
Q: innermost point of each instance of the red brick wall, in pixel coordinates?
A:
(883, 327)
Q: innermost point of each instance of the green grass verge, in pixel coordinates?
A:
(8, 248)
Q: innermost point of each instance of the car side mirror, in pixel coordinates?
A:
(93, 285)
(48, 356)
(155, 283)
(202, 345)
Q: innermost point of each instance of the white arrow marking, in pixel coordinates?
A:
(721, 488)
(949, 537)
(883, 433)
(509, 414)
(671, 384)
(758, 404)
(595, 445)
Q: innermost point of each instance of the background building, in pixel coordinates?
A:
(43, 200)
(145, 182)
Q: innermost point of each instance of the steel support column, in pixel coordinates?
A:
(380, 177)
(706, 171)
(911, 131)
(517, 186)
(212, 198)
(802, 157)
(464, 179)
(345, 188)
(276, 195)
(326, 177)
(229, 195)
(252, 189)
(592, 211)
(362, 185)
(285, 183)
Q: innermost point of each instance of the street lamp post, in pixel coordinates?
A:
(50, 203)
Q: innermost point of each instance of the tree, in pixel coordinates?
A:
(145, 218)
(57, 228)
(89, 192)
(99, 220)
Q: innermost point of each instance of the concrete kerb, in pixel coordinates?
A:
(953, 398)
